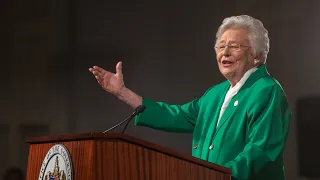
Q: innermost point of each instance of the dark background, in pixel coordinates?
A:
(165, 46)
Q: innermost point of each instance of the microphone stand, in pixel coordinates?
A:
(138, 110)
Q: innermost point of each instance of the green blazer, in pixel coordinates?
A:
(250, 136)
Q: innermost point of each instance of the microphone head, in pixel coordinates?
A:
(140, 109)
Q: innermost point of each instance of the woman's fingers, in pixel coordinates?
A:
(95, 72)
(119, 68)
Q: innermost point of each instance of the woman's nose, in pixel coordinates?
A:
(226, 52)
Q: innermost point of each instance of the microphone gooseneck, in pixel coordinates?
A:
(137, 111)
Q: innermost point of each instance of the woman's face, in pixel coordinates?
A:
(234, 54)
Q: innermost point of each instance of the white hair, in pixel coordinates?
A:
(258, 35)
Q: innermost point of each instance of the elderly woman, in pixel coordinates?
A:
(241, 123)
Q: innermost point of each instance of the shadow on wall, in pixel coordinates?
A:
(13, 173)
(308, 126)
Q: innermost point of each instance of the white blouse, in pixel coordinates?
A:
(234, 90)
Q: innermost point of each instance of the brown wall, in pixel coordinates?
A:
(165, 47)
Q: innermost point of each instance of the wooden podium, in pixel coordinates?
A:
(113, 156)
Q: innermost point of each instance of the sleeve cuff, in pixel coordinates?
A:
(145, 116)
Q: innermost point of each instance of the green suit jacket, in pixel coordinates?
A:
(250, 136)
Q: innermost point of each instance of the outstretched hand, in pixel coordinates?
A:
(110, 82)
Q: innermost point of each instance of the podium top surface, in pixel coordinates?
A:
(129, 139)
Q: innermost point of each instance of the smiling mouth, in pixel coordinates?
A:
(226, 63)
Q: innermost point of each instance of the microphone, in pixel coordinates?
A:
(137, 111)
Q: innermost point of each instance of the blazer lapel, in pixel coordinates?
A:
(229, 110)
(233, 104)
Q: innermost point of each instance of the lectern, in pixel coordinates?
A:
(113, 156)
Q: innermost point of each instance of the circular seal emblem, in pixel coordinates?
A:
(57, 164)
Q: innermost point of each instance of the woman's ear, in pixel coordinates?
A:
(257, 60)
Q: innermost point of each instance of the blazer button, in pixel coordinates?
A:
(195, 146)
(211, 146)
